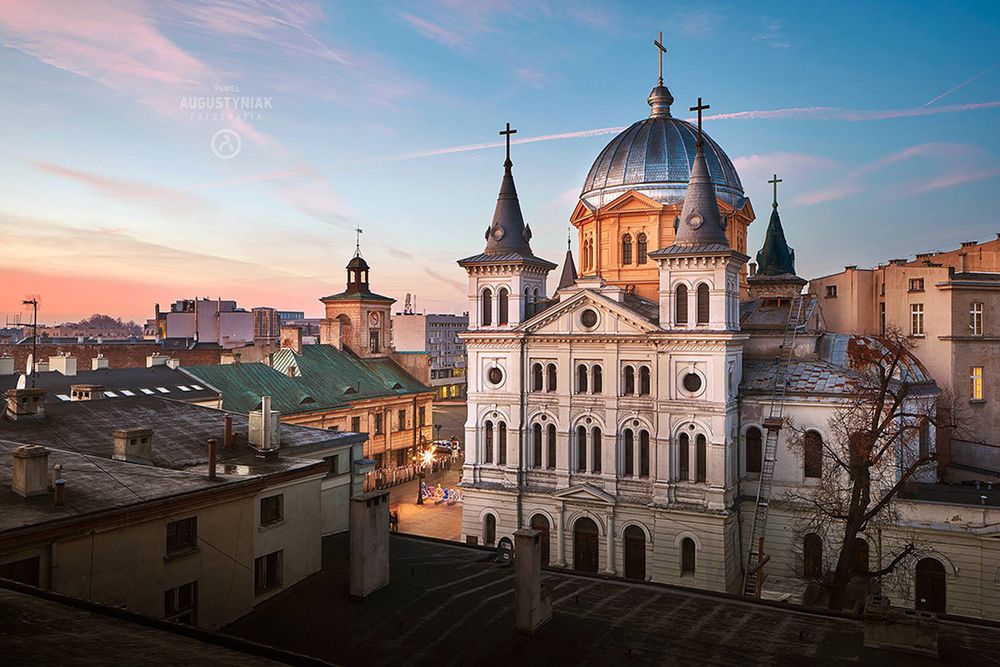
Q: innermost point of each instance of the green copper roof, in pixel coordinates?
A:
(324, 378)
(775, 258)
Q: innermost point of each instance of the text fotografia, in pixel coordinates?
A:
(226, 106)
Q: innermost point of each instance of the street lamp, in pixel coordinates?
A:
(437, 427)
(420, 478)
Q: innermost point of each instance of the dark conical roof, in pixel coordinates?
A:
(357, 262)
(507, 233)
(775, 258)
(700, 222)
(568, 277)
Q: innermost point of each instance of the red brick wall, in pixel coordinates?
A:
(119, 356)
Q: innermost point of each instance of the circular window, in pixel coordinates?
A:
(495, 375)
(692, 383)
(588, 318)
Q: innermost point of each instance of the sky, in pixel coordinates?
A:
(121, 186)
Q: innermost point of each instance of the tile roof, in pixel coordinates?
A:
(692, 250)
(645, 308)
(483, 258)
(353, 296)
(808, 376)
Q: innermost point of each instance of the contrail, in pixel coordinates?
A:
(499, 144)
(959, 86)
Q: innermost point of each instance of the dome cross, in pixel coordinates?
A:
(774, 181)
(660, 50)
(507, 132)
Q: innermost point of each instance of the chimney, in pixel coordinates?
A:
(851, 267)
(86, 392)
(25, 403)
(59, 493)
(291, 337)
(211, 458)
(227, 433)
(753, 269)
(265, 431)
(41, 367)
(964, 257)
(30, 471)
(55, 474)
(173, 363)
(99, 363)
(63, 363)
(156, 359)
(966, 244)
(134, 445)
(7, 365)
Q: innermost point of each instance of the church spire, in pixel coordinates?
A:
(775, 257)
(660, 99)
(508, 234)
(568, 276)
(700, 222)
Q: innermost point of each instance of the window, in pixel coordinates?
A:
(643, 453)
(976, 383)
(812, 556)
(595, 447)
(881, 318)
(488, 457)
(503, 306)
(536, 377)
(502, 443)
(640, 246)
(551, 454)
(813, 454)
(180, 605)
(489, 530)
(581, 379)
(644, 381)
(334, 466)
(373, 337)
(701, 458)
(267, 572)
(629, 468)
(916, 319)
(589, 318)
(916, 284)
(272, 509)
(924, 439)
(629, 380)
(976, 319)
(182, 535)
(356, 424)
(702, 298)
(684, 456)
(581, 449)
(401, 420)
(831, 291)
(378, 423)
(551, 372)
(529, 309)
(626, 249)
(486, 319)
(536, 446)
(753, 449)
(681, 304)
(422, 416)
(597, 380)
(688, 556)
(25, 571)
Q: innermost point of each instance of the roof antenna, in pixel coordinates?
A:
(357, 243)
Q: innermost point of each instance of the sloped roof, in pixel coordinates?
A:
(242, 385)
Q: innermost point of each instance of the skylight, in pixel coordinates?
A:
(146, 391)
(197, 387)
(162, 390)
(110, 394)
(127, 392)
(183, 388)
(62, 397)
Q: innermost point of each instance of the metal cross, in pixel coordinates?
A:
(357, 245)
(507, 133)
(660, 50)
(701, 107)
(774, 181)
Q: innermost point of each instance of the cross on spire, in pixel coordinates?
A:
(507, 132)
(699, 108)
(357, 243)
(660, 50)
(774, 181)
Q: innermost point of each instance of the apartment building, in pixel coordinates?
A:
(436, 335)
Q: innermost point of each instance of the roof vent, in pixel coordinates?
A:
(156, 359)
(63, 363)
(173, 363)
(99, 363)
(134, 445)
(25, 403)
(86, 392)
(30, 474)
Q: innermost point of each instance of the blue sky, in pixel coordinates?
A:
(880, 117)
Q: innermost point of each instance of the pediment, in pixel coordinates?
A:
(633, 201)
(587, 492)
(613, 318)
(580, 211)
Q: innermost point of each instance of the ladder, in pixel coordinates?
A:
(799, 312)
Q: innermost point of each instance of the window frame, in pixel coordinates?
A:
(180, 544)
(272, 516)
(977, 384)
(263, 567)
(917, 319)
(976, 318)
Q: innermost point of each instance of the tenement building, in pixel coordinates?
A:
(629, 415)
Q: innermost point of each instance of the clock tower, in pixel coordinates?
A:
(357, 318)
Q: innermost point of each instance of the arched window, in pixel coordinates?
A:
(626, 249)
(597, 379)
(528, 308)
(634, 543)
(585, 545)
(581, 379)
(629, 380)
(488, 457)
(536, 377)
(595, 450)
(684, 457)
(551, 463)
(502, 443)
(681, 304)
(688, 556)
(860, 565)
(644, 381)
(536, 446)
(487, 317)
(812, 556)
(581, 449)
(640, 247)
(590, 254)
(489, 530)
(551, 371)
(703, 303)
(701, 454)
(628, 469)
(931, 586)
(540, 523)
(536, 303)
(813, 454)
(643, 453)
(503, 307)
(753, 449)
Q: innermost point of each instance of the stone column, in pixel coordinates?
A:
(558, 534)
(609, 566)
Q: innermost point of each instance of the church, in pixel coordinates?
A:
(632, 415)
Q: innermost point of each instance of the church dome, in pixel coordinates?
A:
(654, 157)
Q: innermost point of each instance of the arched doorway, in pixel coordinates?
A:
(931, 586)
(812, 556)
(585, 545)
(635, 553)
(541, 524)
(489, 530)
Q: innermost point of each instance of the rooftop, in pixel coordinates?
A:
(122, 383)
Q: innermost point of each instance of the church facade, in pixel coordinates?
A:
(624, 415)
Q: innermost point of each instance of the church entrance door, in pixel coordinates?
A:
(585, 545)
(541, 524)
(635, 553)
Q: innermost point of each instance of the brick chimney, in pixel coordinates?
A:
(86, 392)
(173, 363)
(99, 363)
(134, 445)
(291, 338)
(25, 403)
(63, 363)
(30, 471)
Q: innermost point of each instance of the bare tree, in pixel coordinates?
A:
(880, 439)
